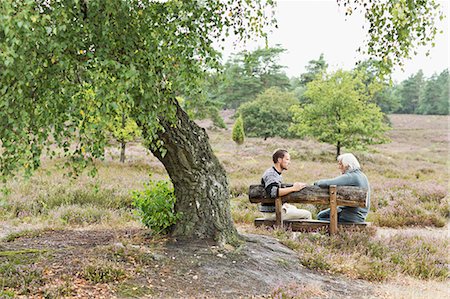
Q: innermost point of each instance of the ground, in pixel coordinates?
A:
(155, 267)
(178, 269)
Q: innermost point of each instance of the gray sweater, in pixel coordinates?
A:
(350, 178)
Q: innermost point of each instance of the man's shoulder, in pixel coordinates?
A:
(270, 171)
(271, 175)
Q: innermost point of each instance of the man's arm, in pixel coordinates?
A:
(296, 187)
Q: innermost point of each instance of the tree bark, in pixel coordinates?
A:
(122, 151)
(338, 149)
(122, 141)
(200, 182)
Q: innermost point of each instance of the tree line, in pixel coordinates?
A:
(246, 75)
(344, 108)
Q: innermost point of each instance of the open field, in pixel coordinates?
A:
(64, 237)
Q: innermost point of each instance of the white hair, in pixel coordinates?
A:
(349, 160)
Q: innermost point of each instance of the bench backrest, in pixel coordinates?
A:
(346, 196)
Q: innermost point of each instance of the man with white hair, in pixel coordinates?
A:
(351, 175)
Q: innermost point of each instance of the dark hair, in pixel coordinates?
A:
(278, 154)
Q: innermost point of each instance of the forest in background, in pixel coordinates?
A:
(245, 75)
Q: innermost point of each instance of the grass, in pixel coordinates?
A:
(409, 179)
(103, 272)
(20, 272)
(27, 233)
(133, 289)
(359, 254)
(297, 291)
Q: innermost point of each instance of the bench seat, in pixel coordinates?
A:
(307, 224)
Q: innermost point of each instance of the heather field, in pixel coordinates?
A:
(404, 254)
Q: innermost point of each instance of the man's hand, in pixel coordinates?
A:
(299, 186)
(296, 187)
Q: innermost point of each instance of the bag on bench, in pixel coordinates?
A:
(290, 212)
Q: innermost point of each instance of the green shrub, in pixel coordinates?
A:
(101, 273)
(155, 205)
(372, 270)
(19, 272)
(7, 294)
(262, 119)
(238, 134)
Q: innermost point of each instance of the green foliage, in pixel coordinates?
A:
(314, 68)
(67, 66)
(103, 273)
(419, 95)
(410, 91)
(269, 115)
(435, 95)
(123, 128)
(339, 112)
(203, 108)
(379, 89)
(238, 133)
(247, 74)
(396, 29)
(156, 206)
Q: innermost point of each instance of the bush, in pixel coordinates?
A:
(238, 134)
(156, 206)
(19, 273)
(405, 207)
(268, 115)
(103, 273)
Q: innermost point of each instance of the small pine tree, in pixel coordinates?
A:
(238, 134)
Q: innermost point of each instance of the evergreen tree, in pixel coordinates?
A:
(238, 134)
(313, 69)
(410, 93)
(444, 101)
(434, 98)
(381, 92)
(247, 74)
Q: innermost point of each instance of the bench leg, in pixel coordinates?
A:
(333, 211)
(278, 207)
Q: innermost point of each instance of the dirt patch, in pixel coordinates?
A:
(170, 269)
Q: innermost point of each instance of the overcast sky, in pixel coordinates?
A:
(308, 28)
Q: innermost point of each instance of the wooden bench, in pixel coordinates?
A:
(333, 196)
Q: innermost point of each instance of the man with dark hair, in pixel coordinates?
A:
(271, 180)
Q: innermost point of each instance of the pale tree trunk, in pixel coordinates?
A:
(199, 180)
(122, 151)
(122, 141)
(338, 149)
